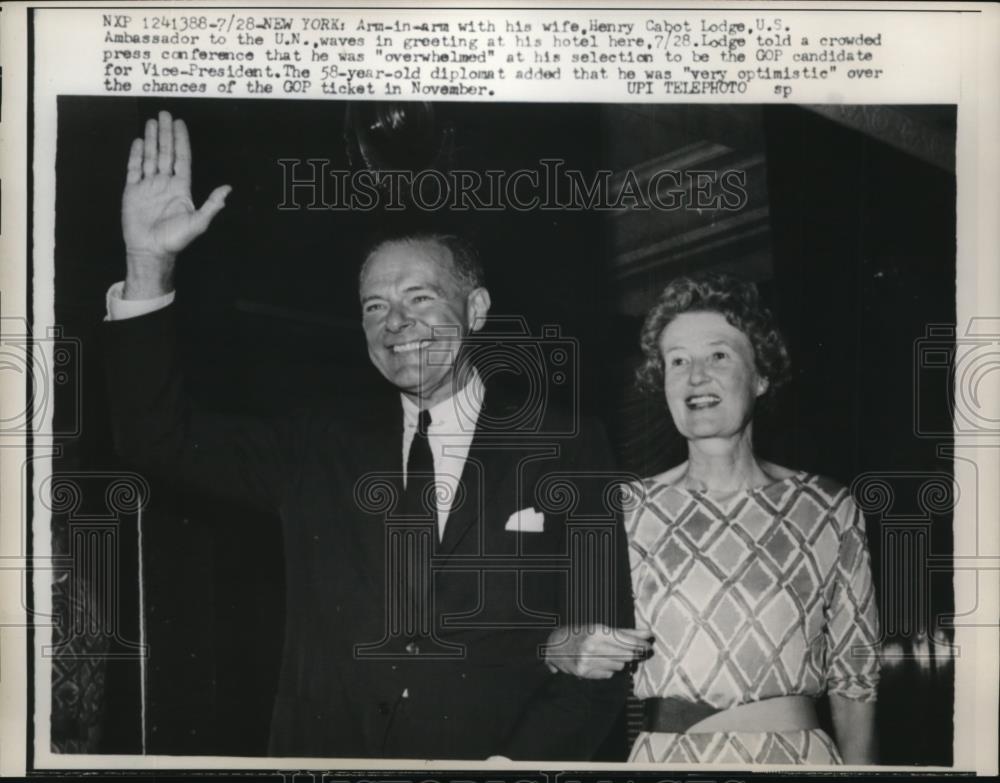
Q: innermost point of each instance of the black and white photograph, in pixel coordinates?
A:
(679, 475)
(507, 392)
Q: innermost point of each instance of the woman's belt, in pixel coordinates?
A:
(679, 716)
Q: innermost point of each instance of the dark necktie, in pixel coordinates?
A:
(419, 499)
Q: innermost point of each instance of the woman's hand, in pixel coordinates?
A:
(596, 653)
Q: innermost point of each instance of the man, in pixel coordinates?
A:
(427, 551)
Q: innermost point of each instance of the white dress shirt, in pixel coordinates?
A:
(453, 421)
(119, 309)
(449, 435)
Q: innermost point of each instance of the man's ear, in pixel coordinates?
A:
(478, 306)
(762, 385)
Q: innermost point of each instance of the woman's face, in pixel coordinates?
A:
(710, 376)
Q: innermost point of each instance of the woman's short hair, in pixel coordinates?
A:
(739, 302)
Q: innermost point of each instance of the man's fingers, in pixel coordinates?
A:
(182, 151)
(617, 641)
(165, 158)
(133, 171)
(611, 653)
(149, 150)
(598, 652)
(212, 206)
(602, 672)
(636, 634)
(624, 635)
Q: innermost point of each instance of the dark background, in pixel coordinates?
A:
(855, 252)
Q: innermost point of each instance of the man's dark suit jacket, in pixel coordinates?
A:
(352, 684)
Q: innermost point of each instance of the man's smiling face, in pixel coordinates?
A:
(415, 314)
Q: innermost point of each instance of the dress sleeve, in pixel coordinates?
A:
(852, 623)
(639, 538)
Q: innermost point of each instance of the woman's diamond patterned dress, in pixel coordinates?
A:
(766, 594)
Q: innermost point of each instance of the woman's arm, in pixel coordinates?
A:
(853, 636)
(854, 725)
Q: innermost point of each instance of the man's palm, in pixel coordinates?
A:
(158, 217)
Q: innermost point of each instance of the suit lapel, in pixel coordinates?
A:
(488, 468)
(379, 486)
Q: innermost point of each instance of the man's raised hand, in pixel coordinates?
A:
(158, 217)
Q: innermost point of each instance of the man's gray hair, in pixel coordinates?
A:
(466, 266)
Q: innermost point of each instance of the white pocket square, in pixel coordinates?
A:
(527, 520)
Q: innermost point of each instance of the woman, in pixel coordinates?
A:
(753, 579)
